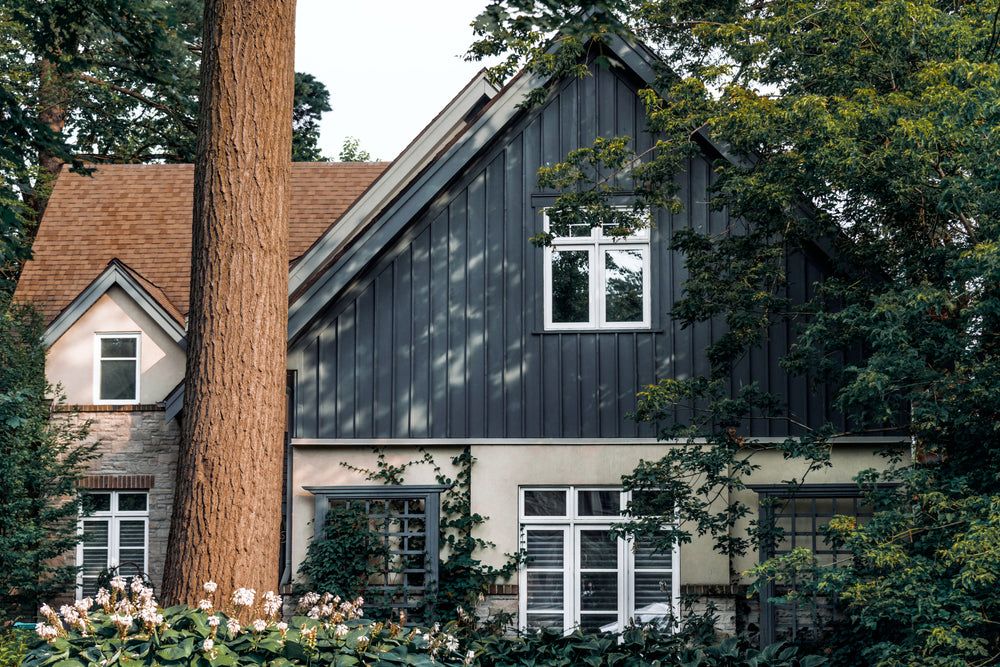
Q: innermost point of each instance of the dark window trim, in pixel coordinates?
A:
(429, 493)
(768, 624)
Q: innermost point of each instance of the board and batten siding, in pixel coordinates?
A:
(441, 336)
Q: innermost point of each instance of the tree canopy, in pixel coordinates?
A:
(868, 130)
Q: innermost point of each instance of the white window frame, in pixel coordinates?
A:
(572, 524)
(595, 244)
(113, 517)
(99, 367)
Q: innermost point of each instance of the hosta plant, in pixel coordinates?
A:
(124, 626)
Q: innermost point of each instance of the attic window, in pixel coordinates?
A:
(594, 280)
(116, 372)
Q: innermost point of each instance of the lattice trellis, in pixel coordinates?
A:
(801, 515)
(407, 519)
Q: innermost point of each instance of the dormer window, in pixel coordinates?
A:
(116, 372)
(594, 280)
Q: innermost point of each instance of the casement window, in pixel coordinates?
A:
(116, 368)
(576, 574)
(595, 281)
(115, 535)
(802, 516)
(407, 518)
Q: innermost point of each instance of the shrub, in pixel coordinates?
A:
(13, 646)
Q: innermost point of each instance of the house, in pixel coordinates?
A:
(421, 318)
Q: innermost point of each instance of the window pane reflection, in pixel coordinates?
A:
(623, 275)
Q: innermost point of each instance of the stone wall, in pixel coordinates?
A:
(138, 450)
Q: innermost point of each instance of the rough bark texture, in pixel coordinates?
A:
(227, 507)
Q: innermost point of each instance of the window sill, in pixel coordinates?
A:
(616, 330)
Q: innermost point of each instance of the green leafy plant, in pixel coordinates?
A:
(126, 627)
(14, 645)
(350, 554)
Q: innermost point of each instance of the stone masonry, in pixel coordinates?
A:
(138, 450)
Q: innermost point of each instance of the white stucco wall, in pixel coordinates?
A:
(70, 359)
(501, 468)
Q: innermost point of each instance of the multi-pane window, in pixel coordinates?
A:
(116, 372)
(801, 517)
(407, 520)
(115, 535)
(577, 574)
(594, 280)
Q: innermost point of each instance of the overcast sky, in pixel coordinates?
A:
(390, 66)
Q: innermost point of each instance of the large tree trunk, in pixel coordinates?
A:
(227, 506)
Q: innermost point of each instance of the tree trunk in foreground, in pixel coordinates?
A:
(227, 506)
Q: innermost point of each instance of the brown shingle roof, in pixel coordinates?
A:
(141, 216)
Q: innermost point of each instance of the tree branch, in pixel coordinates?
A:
(186, 122)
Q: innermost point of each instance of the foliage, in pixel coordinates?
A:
(41, 460)
(862, 136)
(462, 577)
(13, 646)
(350, 554)
(129, 628)
(633, 648)
(311, 100)
(352, 152)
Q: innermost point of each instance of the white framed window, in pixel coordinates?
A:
(576, 574)
(596, 281)
(116, 535)
(116, 368)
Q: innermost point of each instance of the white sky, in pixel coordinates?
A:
(390, 66)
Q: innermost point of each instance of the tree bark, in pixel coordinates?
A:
(227, 505)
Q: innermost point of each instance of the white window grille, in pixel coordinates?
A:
(593, 280)
(577, 574)
(115, 535)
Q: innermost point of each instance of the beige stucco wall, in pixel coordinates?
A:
(501, 468)
(70, 360)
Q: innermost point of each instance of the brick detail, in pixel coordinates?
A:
(502, 589)
(95, 482)
(139, 407)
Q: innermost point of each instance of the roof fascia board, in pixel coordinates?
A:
(400, 211)
(414, 158)
(114, 275)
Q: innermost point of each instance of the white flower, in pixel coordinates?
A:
(341, 630)
(313, 613)
(259, 625)
(244, 597)
(137, 586)
(69, 613)
(208, 644)
(469, 657)
(213, 621)
(84, 605)
(451, 644)
(46, 632)
(205, 605)
(210, 586)
(118, 583)
(233, 625)
(272, 603)
(282, 627)
(46, 610)
(102, 597)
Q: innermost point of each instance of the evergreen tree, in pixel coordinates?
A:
(41, 460)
